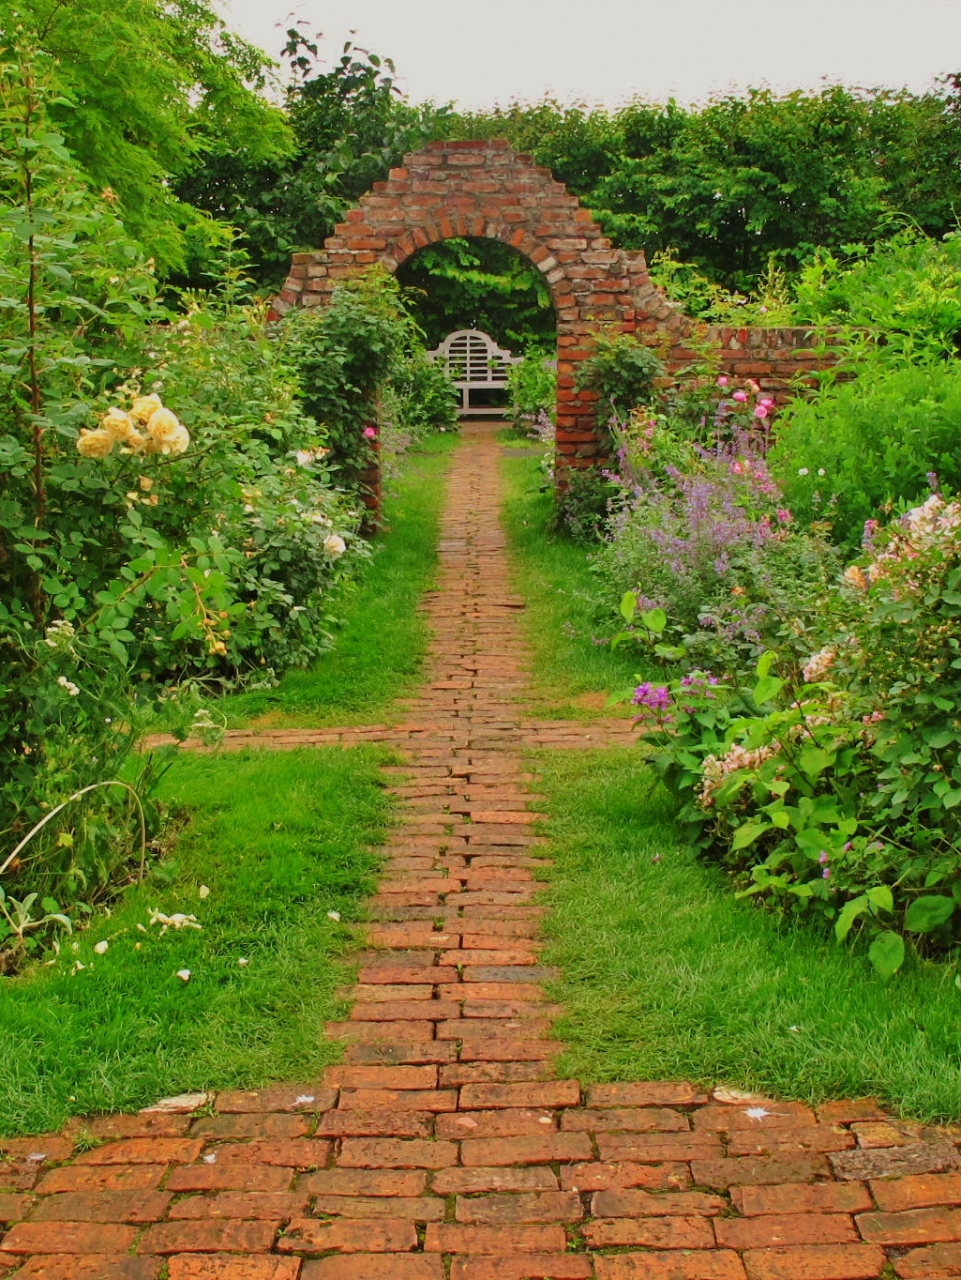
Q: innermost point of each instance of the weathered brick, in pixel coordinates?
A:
(700, 1264)
(815, 1262)
(144, 1151)
(936, 1262)
(102, 1206)
(494, 1124)
(229, 1176)
(601, 1175)
(349, 1235)
(451, 1237)
(13, 1207)
(919, 1192)
(750, 1171)
(375, 1266)
(251, 1125)
(119, 1177)
(275, 1206)
(69, 1237)
(307, 1098)
(365, 1182)
(435, 1100)
(414, 1078)
(536, 1206)
(658, 1147)
(471, 1181)
(553, 1093)
(635, 1203)
(90, 1267)
(681, 1094)
(211, 1235)
(802, 1197)
(379, 1123)
(396, 1153)
(730, 1119)
(625, 1120)
(654, 1233)
(207, 1266)
(533, 1266)
(770, 1230)
(547, 1149)
(913, 1226)
(416, 1208)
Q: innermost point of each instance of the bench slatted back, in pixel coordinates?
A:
(473, 360)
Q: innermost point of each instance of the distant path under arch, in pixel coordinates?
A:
(487, 190)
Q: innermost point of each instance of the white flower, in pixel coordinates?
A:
(183, 975)
(101, 947)
(204, 891)
(333, 915)
(177, 921)
(821, 471)
(70, 687)
(334, 544)
(59, 634)
(243, 962)
(802, 471)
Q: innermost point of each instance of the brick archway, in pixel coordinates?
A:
(487, 190)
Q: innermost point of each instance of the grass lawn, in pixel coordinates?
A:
(666, 976)
(572, 676)
(380, 645)
(279, 839)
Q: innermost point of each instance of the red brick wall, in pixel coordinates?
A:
(484, 189)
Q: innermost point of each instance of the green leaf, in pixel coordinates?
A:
(628, 606)
(881, 897)
(764, 663)
(766, 688)
(748, 834)
(925, 914)
(847, 916)
(886, 953)
(655, 620)
(814, 760)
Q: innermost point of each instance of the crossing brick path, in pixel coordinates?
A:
(445, 1147)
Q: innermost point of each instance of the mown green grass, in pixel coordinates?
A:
(667, 976)
(572, 676)
(280, 839)
(380, 643)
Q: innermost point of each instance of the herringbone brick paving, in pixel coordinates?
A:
(445, 1146)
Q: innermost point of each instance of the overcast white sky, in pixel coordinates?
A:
(478, 52)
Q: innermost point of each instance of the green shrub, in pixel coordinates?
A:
(621, 372)
(532, 385)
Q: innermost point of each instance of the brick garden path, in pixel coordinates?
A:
(445, 1146)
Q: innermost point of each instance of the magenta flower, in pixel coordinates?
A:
(740, 396)
(722, 381)
(783, 515)
(370, 433)
(760, 411)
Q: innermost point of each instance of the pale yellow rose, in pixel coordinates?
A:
(94, 444)
(144, 406)
(136, 443)
(334, 545)
(118, 424)
(177, 443)
(162, 425)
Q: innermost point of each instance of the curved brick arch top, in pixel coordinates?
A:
(487, 190)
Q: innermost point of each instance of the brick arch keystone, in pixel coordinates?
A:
(487, 190)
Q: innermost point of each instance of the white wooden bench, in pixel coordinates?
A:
(474, 362)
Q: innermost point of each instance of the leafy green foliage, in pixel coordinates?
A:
(532, 384)
(142, 89)
(479, 284)
(874, 432)
(621, 373)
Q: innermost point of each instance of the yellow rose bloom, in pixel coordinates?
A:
(144, 406)
(177, 443)
(136, 443)
(94, 444)
(117, 424)
(162, 426)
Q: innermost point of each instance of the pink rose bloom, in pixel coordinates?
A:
(722, 381)
(760, 411)
(766, 401)
(370, 433)
(740, 396)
